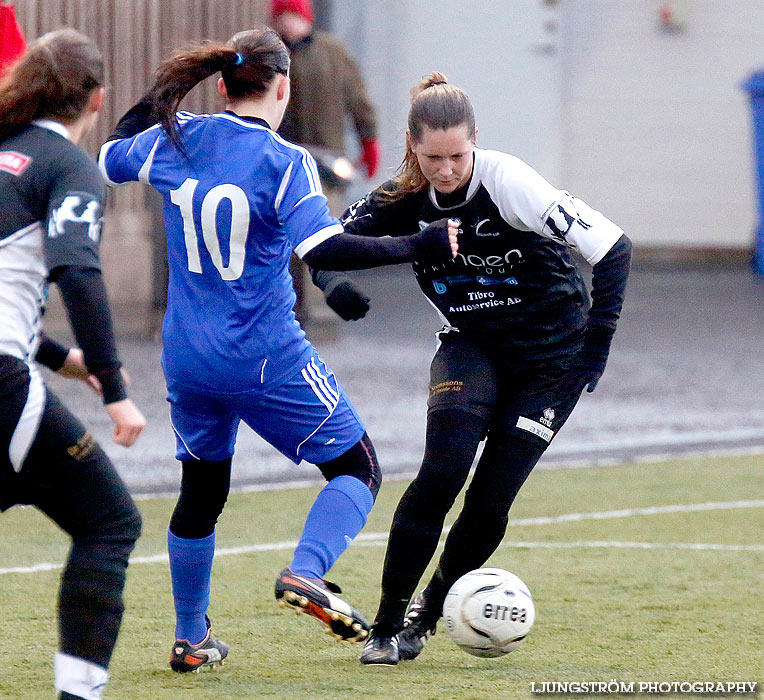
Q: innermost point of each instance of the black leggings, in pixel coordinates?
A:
(70, 479)
(205, 485)
(452, 440)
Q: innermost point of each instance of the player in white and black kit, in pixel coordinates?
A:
(53, 198)
(518, 346)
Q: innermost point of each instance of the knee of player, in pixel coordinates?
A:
(126, 524)
(434, 496)
(135, 524)
(371, 477)
(360, 462)
(371, 469)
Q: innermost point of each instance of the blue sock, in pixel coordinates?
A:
(190, 570)
(336, 517)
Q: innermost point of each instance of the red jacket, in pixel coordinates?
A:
(12, 42)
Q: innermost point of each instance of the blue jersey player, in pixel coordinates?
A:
(238, 199)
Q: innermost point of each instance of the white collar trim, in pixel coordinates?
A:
(58, 127)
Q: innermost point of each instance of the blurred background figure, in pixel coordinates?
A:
(12, 41)
(328, 91)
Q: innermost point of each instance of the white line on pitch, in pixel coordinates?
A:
(379, 538)
(631, 512)
(554, 462)
(606, 544)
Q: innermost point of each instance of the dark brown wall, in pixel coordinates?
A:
(134, 35)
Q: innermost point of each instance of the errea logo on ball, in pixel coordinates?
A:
(504, 612)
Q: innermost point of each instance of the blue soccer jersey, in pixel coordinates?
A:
(236, 204)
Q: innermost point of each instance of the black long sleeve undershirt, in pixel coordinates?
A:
(84, 295)
(138, 118)
(51, 353)
(347, 251)
(609, 277)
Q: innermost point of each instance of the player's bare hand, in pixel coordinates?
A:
(128, 421)
(453, 232)
(74, 368)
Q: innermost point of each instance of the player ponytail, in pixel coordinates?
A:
(248, 64)
(52, 80)
(437, 105)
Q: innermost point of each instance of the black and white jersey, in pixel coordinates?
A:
(52, 206)
(513, 283)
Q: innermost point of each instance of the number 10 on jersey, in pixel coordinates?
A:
(237, 235)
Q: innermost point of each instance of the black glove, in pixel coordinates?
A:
(588, 364)
(347, 301)
(431, 244)
(583, 372)
(608, 284)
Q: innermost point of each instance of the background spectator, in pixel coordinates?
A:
(12, 42)
(327, 89)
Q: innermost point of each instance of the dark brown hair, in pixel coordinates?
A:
(248, 63)
(435, 104)
(52, 80)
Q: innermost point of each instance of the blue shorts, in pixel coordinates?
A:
(307, 417)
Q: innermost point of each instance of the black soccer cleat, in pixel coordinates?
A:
(187, 657)
(317, 598)
(380, 650)
(418, 627)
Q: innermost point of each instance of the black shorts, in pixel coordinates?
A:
(47, 457)
(521, 397)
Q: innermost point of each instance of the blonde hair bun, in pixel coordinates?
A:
(429, 81)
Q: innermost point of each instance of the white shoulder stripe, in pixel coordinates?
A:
(308, 162)
(311, 170)
(310, 195)
(282, 187)
(145, 171)
(103, 154)
(184, 116)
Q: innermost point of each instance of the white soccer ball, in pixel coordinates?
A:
(488, 612)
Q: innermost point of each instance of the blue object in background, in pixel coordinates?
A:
(754, 85)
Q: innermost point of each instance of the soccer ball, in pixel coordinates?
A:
(488, 612)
